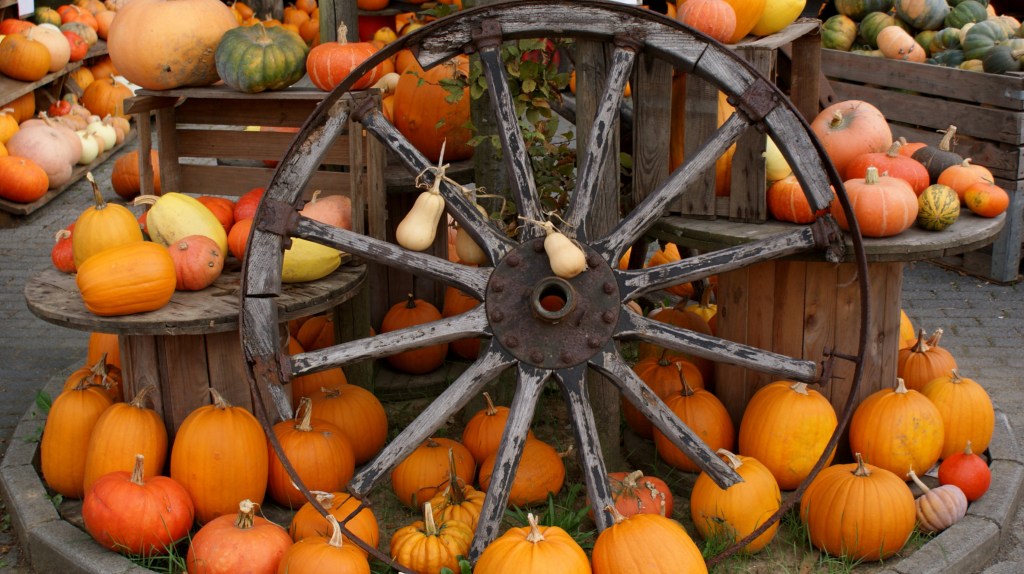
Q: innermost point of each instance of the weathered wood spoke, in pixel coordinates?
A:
(574, 387)
(520, 416)
(610, 363)
(637, 282)
(517, 162)
(600, 140)
(492, 361)
(472, 323)
(471, 280)
(634, 326)
(494, 243)
(638, 221)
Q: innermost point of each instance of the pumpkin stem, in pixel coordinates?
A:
(871, 177)
(62, 234)
(862, 469)
(894, 149)
(632, 480)
(97, 197)
(138, 470)
(139, 401)
(431, 443)
(946, 143)
(491, 411)
(218, 400)
(837, 120)
(454, 488)
(336, 538)
(934, 340)
(800, 388)
(967, 449)
(100, 370)
(246, 514)
(330, 392)
(901, 386)
(730, 458)
(954, 377)
(687, 389)
(316, 196)
(917, 481)
(410, 302)
(306, 409)
(617, 516)
(429, 526)
(921, 345)
(535, 535)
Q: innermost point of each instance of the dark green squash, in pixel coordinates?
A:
(1002, 59)
(872, 24)
(966, 12)
(981, 38)
(838, 32)
(955, 3)
(924, 39)
(937, 158)
(922, 14)
(945, 39)
(948, 58)
(256, 58)
(858, 9)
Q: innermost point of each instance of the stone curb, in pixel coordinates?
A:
(54, 545)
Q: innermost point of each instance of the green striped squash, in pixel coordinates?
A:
(938, 207)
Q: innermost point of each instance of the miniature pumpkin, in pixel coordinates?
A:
(455, 303)
(482, 433)
(963, 175)
(62, 449)
(77, 47)
(938, 207)
(409, 313)
(130, 515)
(968, 416)
(123, 430)
(426, 470)
(788, 202)
(241, 542)
(125, 178)
(938, 508)
(986, 199)
(735, 512)
(786, 426)
(60, 254)
(253, 59)
(316, 554)
(664, 377)
(707, 418)
(22, 180)
(308, 522)
(160, 44)
(858, 511)
(426, 546)
(923, 361)
(968, 471)
(426, 114)
(219, 473)
(130, 278)
(23, 59)
(358, 415)
(533, 549)
(102, 226)
(661, 545)
(897, 429)
(318, 451)
(540, 471)
(198, 262)
(884, 206)
(851, 128)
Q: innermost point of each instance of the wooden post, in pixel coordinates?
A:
(336, 12)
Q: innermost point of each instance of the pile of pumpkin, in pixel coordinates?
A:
(890, 184)
(967, 34)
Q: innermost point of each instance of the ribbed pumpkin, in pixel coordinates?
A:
(164, 44)
(241, 542)
(884, 206)
(968, 471)
(858, 511)
(173, 216)
(329, 63)
(968, 416)
(858, 9)
(923, 14)
(22, 180)
(748, 13)
(716, 18)
(786, 426)
(427, 117)
(308, 522)
(897, 429)
(664, 377)
(23, 59)
(648, 543)
(455, 303)
(426, 470)
(851, 128)
(69, 424)
(540, 471)
(938, 207)
(122, 431)
(533, 549)
(963, 175)
(426, 546)
(131, 278)
(788, 202)
(923, 361)
(707, 418)
(735, 512)
(409, 313)
(253, 59)
(99, 374)
(106, 96)
(359, 416)
(125, 178)
(218, 474)
(893, 163)
(482, 433)
(317, 450)
(102, 226)
(317, 554)
(938, 508)
(60, 254)
(458, 500)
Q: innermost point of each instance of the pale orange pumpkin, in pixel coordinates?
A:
(850, 128)
(963, 175)
(716, 18)
(884, 206)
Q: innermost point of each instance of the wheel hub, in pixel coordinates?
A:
(547, 321)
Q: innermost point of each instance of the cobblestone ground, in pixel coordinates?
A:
(983, 323)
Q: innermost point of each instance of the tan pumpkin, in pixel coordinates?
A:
(938, 508)
(51, 37)
(850, 128)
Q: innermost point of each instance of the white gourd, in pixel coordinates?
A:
(566, 258)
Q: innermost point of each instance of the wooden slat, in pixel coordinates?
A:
(170, 178)
(733, 307)
(747, 189)
(183, 372)
(236, 180)
(238, 144)
(819, 310)
(138, 357)
(276, 113)
(1005, 161)
(226, 367)
(701, 121)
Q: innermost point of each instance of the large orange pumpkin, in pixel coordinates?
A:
(66, 433)
(130, 278)
(122, 431)
(241, 542)
(534, 548)
(707, 418)
(359, 416)
(164, 44)
(482, 433)
(851, 128)
(660, 544)
(102, 226)
(125, 178)
(428, 115)
(968, 417)
(734, 512)
(664, 376)
(541, 471)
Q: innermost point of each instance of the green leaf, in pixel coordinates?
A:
(43, 401)
(529, 85)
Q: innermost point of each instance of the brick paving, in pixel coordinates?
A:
(983, 323)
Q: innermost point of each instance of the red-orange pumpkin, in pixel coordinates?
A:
(222, 208)
(61, 254)
(198, 262)
(246, 205)
(329, 63)
(125, 178)
(787, 202)
(884, 206)
(427, 116)
(238, 237)
(890, 163)
(21, 179)
(240, 542)
(986, 199)
(716, 18)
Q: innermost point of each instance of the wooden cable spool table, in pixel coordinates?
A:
(191, 344)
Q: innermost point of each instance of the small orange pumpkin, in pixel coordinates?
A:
(884, 206)
(22, 180)
(716, 18)
(540, 472)
(986, 199)
(426, 470)
(106, 96)
(23, 59)
(238, 543)
(125, 178)
(328, 63)
(308, 522)
(426, 546)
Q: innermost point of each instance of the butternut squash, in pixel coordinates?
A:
(566, 258)
(466, 248)
(417, 230)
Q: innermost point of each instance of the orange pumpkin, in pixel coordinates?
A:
(69, 424)
(123, 430)
(407, 314)
(359, 416)
(657, 542)
(733, 513)
(884, 206)
(23, 59)
(748, 13)
(426, 470)
(130, 278)
(103, 345)
(99, 374)
(540, 472)
(533, 548)
(328, 63)
(787, 201)
(102, 226)
(238, 543)
(851, 128)
(426, 546)
(892, 163)
(125, 178)
(8, 124)
(716, 18)
(455, 303)
(323, 554)
(677, 136)
(707, 418)
(961, 176)
(22, 180)
(105, 97)
(968, 417)
(664, 376)
(308, 522)
(426, 114)
(986, 199)
(222, 208)
(923, 361)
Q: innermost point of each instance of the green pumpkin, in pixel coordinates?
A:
(955, 3)
(858, 9)
(938, 207)
(966, 12)
(838, 32)
(981, 38)
(944, 39)
(869, 53)
(972, 66)
(948, 58)
(46, 15)
(872, 24)
(1002, 59)
(922, 14)
(256, 58)
(924, 39)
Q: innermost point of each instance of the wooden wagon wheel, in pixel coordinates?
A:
(542, 345)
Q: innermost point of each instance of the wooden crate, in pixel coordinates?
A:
(800, 43)
(920, 99)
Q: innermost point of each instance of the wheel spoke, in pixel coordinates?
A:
(489, 365)
(472, 323)
(600, 139)
(675, 338)
(609, 363)
(634, 283)
(517, 162)
(638, 221)
(574, 386)
(529, 385)
(493, 242)
(471, 280)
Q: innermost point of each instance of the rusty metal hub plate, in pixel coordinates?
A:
(544, 320)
